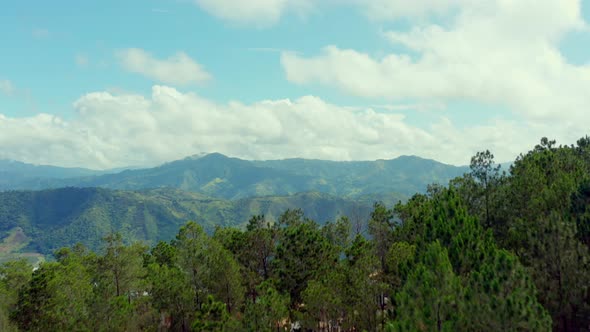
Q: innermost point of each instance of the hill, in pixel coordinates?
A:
(54, 218)
(220, 176)
(19, 175)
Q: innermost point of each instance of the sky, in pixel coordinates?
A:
(111, 83)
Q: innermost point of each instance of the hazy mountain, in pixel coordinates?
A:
(231, 178)
(54, 218)
(213, 174)
(19, 175)
(405, 174)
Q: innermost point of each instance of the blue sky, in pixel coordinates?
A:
(114, 83)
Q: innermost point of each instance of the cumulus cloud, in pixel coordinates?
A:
(494, 52)
(6, 87)
(113, 130)
(261, 13)
(179, 69)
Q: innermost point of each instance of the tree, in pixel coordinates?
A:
(362, 287)
(169, 295)
(123, 266)
(269, 311)
(323, 301)
(210, 269)
(14, 276)
(70, 294)
(491, 282)
(546, 203)
(500, 296)
(32, 303)
(338, 233)
(120, 286)
(211, 317)
(559, 265)
(485, 171)
(253, 249)
(191, 247)
(302, 253)
(430, 299)
(381, 226)
(223, 279)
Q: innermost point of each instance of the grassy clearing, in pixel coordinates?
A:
(15, 241)
(11, 246)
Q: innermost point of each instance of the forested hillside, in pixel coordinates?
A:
(50, 219)
(488, 252)
(230, 178)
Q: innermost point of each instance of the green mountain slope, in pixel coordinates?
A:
(405, 174)
(54, 218)
(231, 178)
(214, 174)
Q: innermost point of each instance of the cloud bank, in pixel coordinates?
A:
(495, 52)
(119, 130)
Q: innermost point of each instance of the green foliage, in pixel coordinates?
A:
(14, 276)
(381, 226)
(267, 311)
(48, 220)
(502, 297)
(323, 298)
(400, 260)
(431, 298)
(362, 286)
(301, 253)
(473, 285)
(211, 317)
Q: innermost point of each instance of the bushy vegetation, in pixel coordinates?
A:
(489, 252)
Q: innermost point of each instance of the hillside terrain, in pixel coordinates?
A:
(220, 176)
(46, 207)
(19, 175)
(55, 218)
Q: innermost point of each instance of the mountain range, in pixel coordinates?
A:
(220, 176)
(43, 208)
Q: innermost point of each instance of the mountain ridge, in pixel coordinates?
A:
(217, 175)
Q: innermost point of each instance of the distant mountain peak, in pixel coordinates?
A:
(206, 155)
(196, 156)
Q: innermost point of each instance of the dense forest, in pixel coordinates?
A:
(43, 221)
(490, 251)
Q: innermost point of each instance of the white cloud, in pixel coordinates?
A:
(178, 69)
(6, 87)
(261, 13)
(118, 130)
(495, 52)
